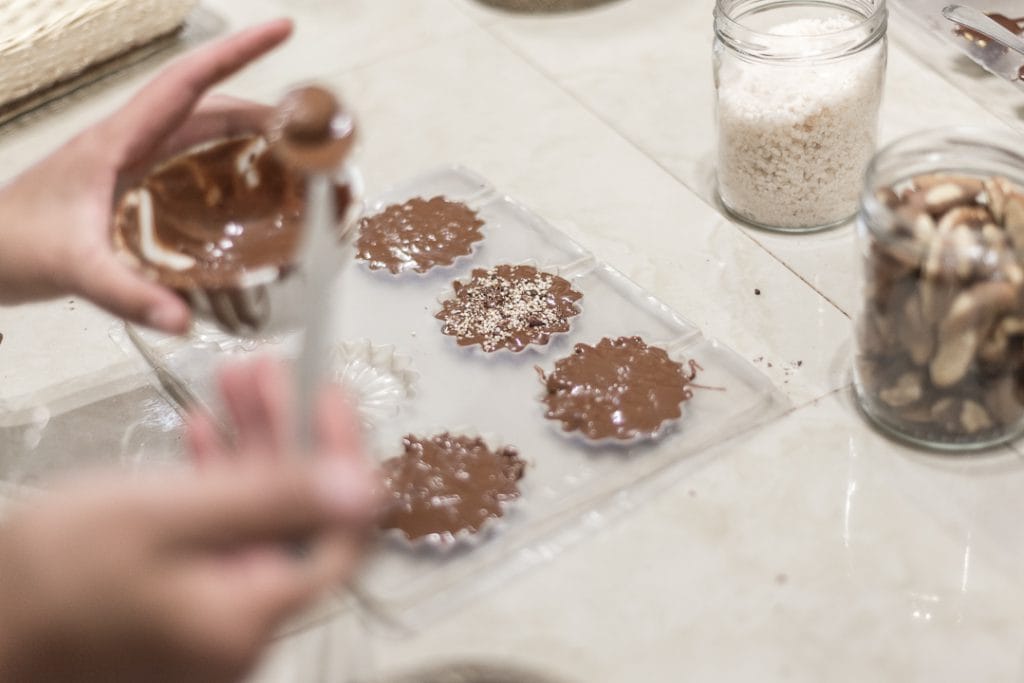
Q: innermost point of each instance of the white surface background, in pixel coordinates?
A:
(812, 550)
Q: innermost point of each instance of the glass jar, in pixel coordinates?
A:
(798, 85)
(940, 334)
(544, 5)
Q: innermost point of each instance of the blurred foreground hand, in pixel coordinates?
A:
(186, 577)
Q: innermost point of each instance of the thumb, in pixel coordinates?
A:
(126, 293)
(160, 107)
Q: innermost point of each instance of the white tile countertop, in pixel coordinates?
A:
(813, 549)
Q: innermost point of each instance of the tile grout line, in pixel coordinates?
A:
(784, 264)
(425, 44)
(622, 135)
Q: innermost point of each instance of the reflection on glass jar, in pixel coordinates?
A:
(798, 86)
(940, 336)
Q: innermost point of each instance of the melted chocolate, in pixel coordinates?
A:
(418, 235)
(311, 132)
(1015, 26)
(509, 307)
(619, 389)
(984, 41)
(448, 484)
(226, 208)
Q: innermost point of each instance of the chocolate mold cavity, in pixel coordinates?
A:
(448, 487)
(617, 391)
(418, 235)
(509, 308)
(378, 378)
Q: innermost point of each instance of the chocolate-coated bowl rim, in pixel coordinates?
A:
(348, 176)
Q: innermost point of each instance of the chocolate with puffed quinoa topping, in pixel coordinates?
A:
(509, 307)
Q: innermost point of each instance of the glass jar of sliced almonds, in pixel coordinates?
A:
(940, 334)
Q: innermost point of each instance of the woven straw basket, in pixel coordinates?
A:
(44, 42)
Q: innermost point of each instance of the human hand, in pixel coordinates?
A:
(259, 397)
(185, 578)
(55, 218)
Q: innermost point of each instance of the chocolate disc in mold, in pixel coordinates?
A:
(448, 484)
(509, 307)
(619, 389)
(418, 235)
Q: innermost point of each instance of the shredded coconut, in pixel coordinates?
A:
(795, 139)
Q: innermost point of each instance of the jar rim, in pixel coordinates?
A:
(969, 150)
(762, 45)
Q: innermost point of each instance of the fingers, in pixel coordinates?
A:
(242, 602)
(275, 389)
(236, 506)
(269, 584)
(216, 117)
(258, 396)
(149, 117)
(114, 286)
(202, 439)
(338, 425)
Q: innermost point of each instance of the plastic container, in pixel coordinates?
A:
(798, 87)
(570, 486)
(940, 336)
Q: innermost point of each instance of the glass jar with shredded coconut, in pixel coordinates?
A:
(799, 84)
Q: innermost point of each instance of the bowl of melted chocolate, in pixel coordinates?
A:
(222, 225)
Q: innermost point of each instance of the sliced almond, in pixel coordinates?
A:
(1012, 325)
(946, 196)
(972, 186)
(973, 217)
(974, 417)
(886, 196)
(914, 332)
(1013, 221)
(907, 389)
(961, 332)
(954, 356)
(936, 298)
(996, 190)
